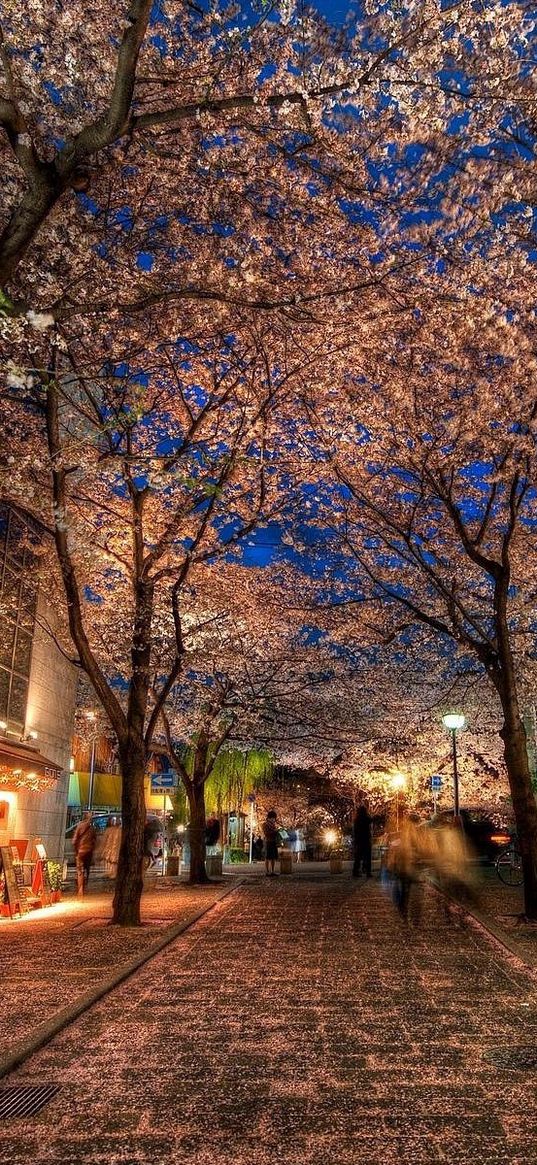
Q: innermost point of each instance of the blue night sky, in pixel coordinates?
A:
(334, 10)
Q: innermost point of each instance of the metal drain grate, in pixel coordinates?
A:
(519, 1059)
(26, 1099)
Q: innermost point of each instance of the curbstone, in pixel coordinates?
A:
(46, 1031)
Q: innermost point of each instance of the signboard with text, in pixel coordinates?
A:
(162, 783)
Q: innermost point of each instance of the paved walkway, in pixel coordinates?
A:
(301, 1022)
(50, 957)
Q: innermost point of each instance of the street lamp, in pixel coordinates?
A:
(92, 717)
(453, 721)
(398, 783)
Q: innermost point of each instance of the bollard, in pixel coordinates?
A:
(286, 861)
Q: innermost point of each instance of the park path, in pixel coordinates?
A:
(298, 1021)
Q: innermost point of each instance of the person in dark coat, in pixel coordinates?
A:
(361, 836)
(84, 841)
(271, 834)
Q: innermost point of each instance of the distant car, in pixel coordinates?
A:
(100, 822)
(484, 834)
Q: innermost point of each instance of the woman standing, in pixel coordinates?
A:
(270, 833)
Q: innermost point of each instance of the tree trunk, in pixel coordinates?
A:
(129, 880)
(196, 801)
(525, 809)
(513, 735)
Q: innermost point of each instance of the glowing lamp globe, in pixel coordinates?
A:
(453, 720)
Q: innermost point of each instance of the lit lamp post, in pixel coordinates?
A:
(92, 717)
(398, 783)
(453, 721)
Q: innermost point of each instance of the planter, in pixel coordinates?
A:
(336, 865)
(172, 866)
(56, 896)
(286, 861)
(213, 865)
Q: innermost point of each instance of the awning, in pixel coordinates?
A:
(24, 767)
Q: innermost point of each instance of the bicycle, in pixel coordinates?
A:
(508, 865)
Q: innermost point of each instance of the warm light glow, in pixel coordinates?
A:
(72, 764)
(454, 720)
(398, 781)
(91, 715)
(330, 836)
(3, 725)
(32, 734)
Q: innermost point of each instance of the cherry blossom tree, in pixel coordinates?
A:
(434, 471)
(143, 472)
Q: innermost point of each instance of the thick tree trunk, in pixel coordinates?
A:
(129, 881)
(196, 801)
(513, 735)
(525, 809)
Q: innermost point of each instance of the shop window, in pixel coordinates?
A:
(4, 814)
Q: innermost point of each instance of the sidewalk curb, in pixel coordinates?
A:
(46, 1031)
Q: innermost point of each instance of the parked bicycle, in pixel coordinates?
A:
(508, 865)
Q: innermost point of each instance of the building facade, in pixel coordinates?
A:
(37, 691)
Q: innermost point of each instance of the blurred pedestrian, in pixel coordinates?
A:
(109, 849)
(300, 844)
(361, 837)
(272, 837)
(84, 841)
(404, 863)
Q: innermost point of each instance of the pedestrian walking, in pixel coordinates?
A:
(361, 837)
(272, 837)
(109, 850)
(84, 841)
(299, 844)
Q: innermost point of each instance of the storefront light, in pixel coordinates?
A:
(3, 725)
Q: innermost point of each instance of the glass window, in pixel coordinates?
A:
(18, 599)
(4, 692)
(23, 652)
(7, 639)
(17, 699)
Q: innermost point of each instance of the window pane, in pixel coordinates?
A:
(23, 651)
(4, 693)
(9, 600)
(27, 603)
(7, 639)
(17, 700)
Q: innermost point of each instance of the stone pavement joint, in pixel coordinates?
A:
(50, 1028)
(301, 1021)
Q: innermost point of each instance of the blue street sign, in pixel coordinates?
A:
(436, 782)
(163, 781)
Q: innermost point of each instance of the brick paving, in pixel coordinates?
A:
(303, 1021)
(51, 956)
